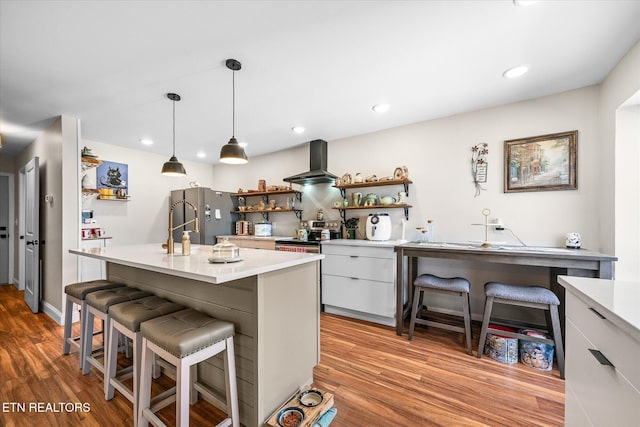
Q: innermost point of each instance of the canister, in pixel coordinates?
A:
(262, 229)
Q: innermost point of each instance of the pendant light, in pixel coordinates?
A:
(232, 152)
(173, 167)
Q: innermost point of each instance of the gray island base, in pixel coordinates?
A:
(272, 298)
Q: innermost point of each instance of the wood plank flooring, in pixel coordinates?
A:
(378, 379)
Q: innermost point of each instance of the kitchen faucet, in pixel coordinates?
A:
(169, 244)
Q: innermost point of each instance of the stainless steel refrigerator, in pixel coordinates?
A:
(214, 214)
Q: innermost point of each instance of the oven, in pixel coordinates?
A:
(295, 245)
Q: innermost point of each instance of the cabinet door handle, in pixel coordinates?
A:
(355, 278)
(597, 313)
(601, 358)
(353, 256)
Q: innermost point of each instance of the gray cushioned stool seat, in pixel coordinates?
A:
(82, 289)
(536, 294)
(104, 299)
(185, 332)
(131, 314)
(454, 284)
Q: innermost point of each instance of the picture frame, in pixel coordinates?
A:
(541, 163)
(113, 175)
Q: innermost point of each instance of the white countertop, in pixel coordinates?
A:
(361, 242)
(196, 266)
(617, 300)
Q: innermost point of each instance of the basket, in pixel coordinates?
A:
(534, 354)
(501, 348)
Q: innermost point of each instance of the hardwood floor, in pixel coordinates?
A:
(378, 379)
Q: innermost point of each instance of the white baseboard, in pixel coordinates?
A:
(17, 284)
(52, 312)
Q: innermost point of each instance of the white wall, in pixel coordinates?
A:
(627, 178)
(144, 218)
(621, 83)
(438, 154)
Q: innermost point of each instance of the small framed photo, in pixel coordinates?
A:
(541, 163)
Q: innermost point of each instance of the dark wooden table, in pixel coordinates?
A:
(560, 261)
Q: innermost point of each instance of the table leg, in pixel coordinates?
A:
(400, 275)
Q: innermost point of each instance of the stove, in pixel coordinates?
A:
(315, 229)
(315, 236)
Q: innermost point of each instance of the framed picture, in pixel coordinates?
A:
(541, 163)
(112, 175)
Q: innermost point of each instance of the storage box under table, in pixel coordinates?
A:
(501, 348)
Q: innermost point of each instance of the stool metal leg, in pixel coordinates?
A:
(467, 321)
(144, 391)
(231, 385)
(68, 313)
(485, 324)
(557, 337)
(417, 296)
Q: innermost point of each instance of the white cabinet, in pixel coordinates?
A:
(602, 369)
(90, 268)
(358, 280)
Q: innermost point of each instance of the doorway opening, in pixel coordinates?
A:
(627, 188)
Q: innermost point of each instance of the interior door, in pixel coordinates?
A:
(4, 229)
(32, 235)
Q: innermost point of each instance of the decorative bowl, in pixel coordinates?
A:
(290, 417)
(310, 398)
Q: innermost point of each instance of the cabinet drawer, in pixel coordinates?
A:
(605, 394)
(254, 244)
(368, 296)
(360, 267)
(617, 346)
(365, 251)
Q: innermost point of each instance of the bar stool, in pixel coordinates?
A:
(184, 339)
(77, 294)
(524, 296)
(455, 285)
(125, 319)
(98, 304)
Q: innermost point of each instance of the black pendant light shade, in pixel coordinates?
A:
(173, 167)
(232, 152)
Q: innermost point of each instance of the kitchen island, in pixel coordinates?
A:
(272, 298)
(603, 343)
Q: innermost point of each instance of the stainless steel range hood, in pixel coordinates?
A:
(317, 173)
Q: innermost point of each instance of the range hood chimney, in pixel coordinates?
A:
(317, 173)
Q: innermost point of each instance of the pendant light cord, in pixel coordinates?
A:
(174, 128)
(233, 96)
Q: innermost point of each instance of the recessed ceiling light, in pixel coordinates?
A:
(243, 144)
(298, 129)
(524, 2)
(146, 142)
(381, 108)
(201, 154)
(514, 72)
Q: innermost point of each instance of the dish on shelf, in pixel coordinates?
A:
(310, 398)
(290, 417)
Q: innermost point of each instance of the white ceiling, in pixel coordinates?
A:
(319, 64)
